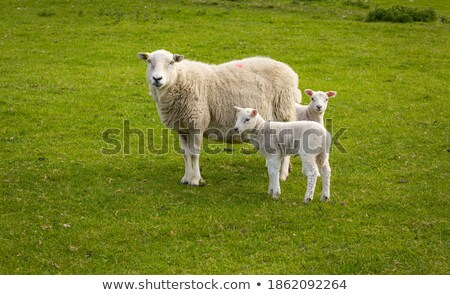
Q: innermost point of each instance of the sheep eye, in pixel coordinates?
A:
(149, 62)
(171, 62)
(312, 98)
(246, 120)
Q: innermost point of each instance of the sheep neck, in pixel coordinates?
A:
(260, 123)
(313, 115)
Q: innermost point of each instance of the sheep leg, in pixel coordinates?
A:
(195, 143)
(285, 163)
(273, 168)
(311, 172)
(188, 172)
(325, 172)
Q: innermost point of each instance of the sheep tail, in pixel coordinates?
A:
(284, 104)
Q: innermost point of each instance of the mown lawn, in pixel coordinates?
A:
(69, 72)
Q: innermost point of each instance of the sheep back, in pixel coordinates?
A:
(204, 95)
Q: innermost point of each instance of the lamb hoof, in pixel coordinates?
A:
(283, 177)
(276, 194)
(186, 179)
(290, 167)
(199, 182)
(325, 199)
(270, 191)
(307, 200)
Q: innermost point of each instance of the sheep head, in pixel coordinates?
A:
(160, 67)
(319, 99)
(246, 119)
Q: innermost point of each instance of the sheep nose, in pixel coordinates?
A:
(318, 107)
(236, 129)
(157, 79)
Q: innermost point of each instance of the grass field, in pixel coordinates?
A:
(69, 71)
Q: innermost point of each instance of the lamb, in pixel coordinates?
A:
(316, 108)
(197, 99)
(274, 140)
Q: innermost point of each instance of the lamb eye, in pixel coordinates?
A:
(246, 120)
(149, 62)
(171, 62)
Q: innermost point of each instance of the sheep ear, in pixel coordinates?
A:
(237, 108)
(331, 94)
(254, 113)
(177, 57)
(309, 92)
(143, 55)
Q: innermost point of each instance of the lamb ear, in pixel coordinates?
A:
(331, 94)
(309, 92)
(254, 113)
(177, 57)
(143, 55)
(237, 108)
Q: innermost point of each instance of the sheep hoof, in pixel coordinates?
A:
(199, 182)
(290, 167)
(325, 199)
(283, 177)
(187, 179)
(276, 195)
(194, 183)
(307, 200)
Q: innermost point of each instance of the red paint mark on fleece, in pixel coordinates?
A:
(239, 65)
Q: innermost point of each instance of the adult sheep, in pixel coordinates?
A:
(195, 98)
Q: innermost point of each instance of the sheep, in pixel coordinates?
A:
(316, 108)
(308, 139)
(196, 99)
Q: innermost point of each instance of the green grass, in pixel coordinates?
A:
(69, 71)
